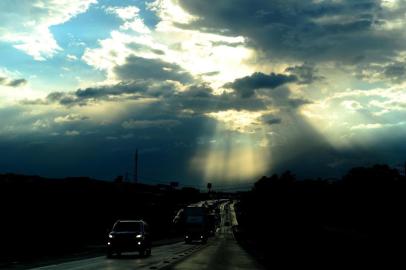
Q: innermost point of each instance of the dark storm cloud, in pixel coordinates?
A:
(198, 98)
(395, 72)
(151, 69)
(270, 119)
(274, 121)
(152, 78)
(280, 97)
(307, 74)
(123, 90)
(159, 52)
(297, 102)
(55, 151)
(140, 77)
(18, 82)
(103, 92)
(343, 31)
(246, 86)
(12, 83)
(141, 124)
(392, 72)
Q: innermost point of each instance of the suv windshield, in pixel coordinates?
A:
(127, 227)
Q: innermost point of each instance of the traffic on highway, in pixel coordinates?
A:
(207, 242)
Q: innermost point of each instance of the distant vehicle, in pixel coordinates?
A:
(127, 236)
(196, 224)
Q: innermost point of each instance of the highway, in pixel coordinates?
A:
(221, 252)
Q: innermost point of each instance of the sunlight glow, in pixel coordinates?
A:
(169, 10)
(242, 121)
(238, 150)
(233, 156)
(345, 117)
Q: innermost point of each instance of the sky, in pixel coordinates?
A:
(221, 92)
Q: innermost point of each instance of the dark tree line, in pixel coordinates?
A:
(359, 218)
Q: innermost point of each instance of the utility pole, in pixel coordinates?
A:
(136, 166)
(209, 186)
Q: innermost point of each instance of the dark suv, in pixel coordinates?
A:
(129, 235)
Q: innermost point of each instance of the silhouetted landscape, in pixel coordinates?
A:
(293, 221)
(358, 219)
(53, 217)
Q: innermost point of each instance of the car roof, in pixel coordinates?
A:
(131, 221)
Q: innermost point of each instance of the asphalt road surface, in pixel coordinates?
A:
(161, 256)
(221, 252)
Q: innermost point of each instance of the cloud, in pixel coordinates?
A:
(12, 82)
(274, 121)
(40, 124)
(139, 124)
(306, 73)
(395, 72)
(17, 82)
(352, 105)
(69, 118)
(131, 18)
(26, 24)
(358, 117)
(298, 102)
(71, 57)
(378, 125)
(236, 82)
(125, 13)
(72, 133)
(241, 121)
(193, 50)
(391, 71)
(176, 98)
(150, 69)
(270, 119)
(246, 86)
(125, 90)
(167, 83)
(342, 31)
